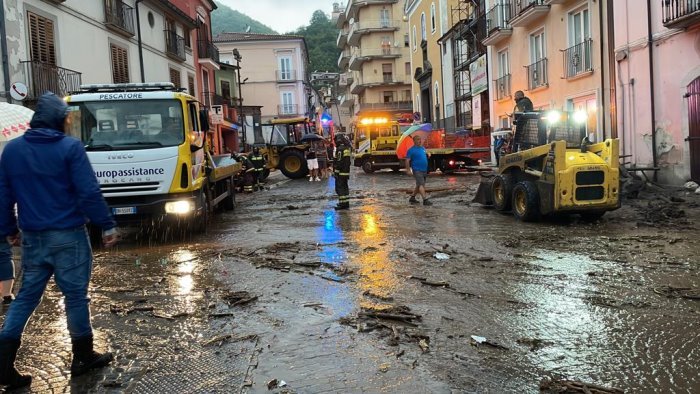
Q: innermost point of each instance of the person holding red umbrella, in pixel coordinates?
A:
(417, 164)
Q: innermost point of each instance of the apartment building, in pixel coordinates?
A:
(465, 87)
(375, 57)
(555, 51)
(273, 71)
(658, 92)
(57, 45)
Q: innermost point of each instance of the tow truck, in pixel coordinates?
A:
(376, 138)
(553, 168)
(149, 148)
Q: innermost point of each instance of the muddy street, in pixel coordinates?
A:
(287, 295)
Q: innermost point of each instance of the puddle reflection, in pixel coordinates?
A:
(377, 271)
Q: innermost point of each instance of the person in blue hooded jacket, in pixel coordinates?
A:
(48, 176)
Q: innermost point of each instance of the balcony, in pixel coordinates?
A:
(537, 74)
(288, 110)
(343, 59)
(360, 56)
(174, 45)
(679, 14)
(119, 17)
(286, 75)
(358, 29)
(347, 101)
(342, 39)
(497, 24)
(527, 11)
(355, 5)
(388, 106)
(578, 59)
(372, 82)
(346, 79)
(557, 1)
(502, 87)
(208, 53)
(42, 77)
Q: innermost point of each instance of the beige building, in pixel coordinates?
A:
(273, 71)
(554, 51)
(374, 62)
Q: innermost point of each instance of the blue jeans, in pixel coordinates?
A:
(7, 268)
(66, 255)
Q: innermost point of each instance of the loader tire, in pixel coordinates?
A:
(526, 201)
(293, 165)
(367, 167)
(502, 192)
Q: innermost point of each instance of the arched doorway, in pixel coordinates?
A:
(693, 97)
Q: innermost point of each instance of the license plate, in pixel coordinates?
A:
(124, 211)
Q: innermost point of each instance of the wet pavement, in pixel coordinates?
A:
(287, 295)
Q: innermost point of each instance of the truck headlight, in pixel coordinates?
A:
(179, 207)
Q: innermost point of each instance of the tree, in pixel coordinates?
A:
(320, 36)
(224, 19)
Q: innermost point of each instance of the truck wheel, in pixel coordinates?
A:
(293, 165)
(367, 167)
(229, 202)
(202, 221)
(526, 201)
(592, 216)
(502, 191)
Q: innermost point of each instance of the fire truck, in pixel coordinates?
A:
(153, 153)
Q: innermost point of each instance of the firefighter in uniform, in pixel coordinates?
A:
(341, 164)
(258, 161)
(248, 173)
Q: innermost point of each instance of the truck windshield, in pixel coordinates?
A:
(122, 125)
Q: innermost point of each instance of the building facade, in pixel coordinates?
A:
(375, 59)
(556, 52)
(57, 45)
(273, 71)
(658, 86)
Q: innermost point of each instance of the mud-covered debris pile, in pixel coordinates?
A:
(552, 385)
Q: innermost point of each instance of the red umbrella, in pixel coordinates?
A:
(406, 141)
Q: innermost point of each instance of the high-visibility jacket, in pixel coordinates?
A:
(341, 162)
(258, 162)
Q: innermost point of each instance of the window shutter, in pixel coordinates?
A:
(41, 39)
(190, 84)
(120, 64)
(175, 78)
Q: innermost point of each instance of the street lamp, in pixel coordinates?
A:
(237, 56)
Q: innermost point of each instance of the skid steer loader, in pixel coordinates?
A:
(552, 168)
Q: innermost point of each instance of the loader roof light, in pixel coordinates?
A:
(553, 117)
(580, 117)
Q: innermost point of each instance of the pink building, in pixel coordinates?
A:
(658, 85)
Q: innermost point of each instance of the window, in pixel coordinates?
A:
(503, 65)
(387, 72)
(386, 45)
(408, 68)
(226, 89)
(175, 78)
(188, 37)
(443, 16)
(537, 47)
(504, 122)
(406, 95)
(388, 96)
(120, 64)
(384, 18)
(437, 94)
(432, 18)
(190, 83)
(287, 107)
(406, 40)
(414, 37)
(579, 29)
(423, 33)
(285, 73)
(41, 39)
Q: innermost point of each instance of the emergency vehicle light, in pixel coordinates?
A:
(96, 87)
(366, 121)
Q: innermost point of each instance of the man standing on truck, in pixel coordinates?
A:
(49, 177)
(417, 164)
(341, 167)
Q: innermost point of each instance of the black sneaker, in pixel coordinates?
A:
(7, 300)
(427, 202)
(413, 200)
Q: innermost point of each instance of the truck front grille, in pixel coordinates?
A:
(584, 178)
(590, 193)
(114, 188)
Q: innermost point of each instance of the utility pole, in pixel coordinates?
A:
(241, 118)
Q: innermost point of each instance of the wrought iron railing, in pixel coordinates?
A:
(207, 50)
(577, 59)
(497, 18)
(537, 74)
(392, 105)
(43, 77)
(288, 109)
(520, 6)
(502, 87)
(286, 75)
(120, 15)
(174, 44)
(673, 10)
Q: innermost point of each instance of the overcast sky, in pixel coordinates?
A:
(283, 16)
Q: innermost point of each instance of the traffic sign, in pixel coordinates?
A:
(217, 114)
(18, 91)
